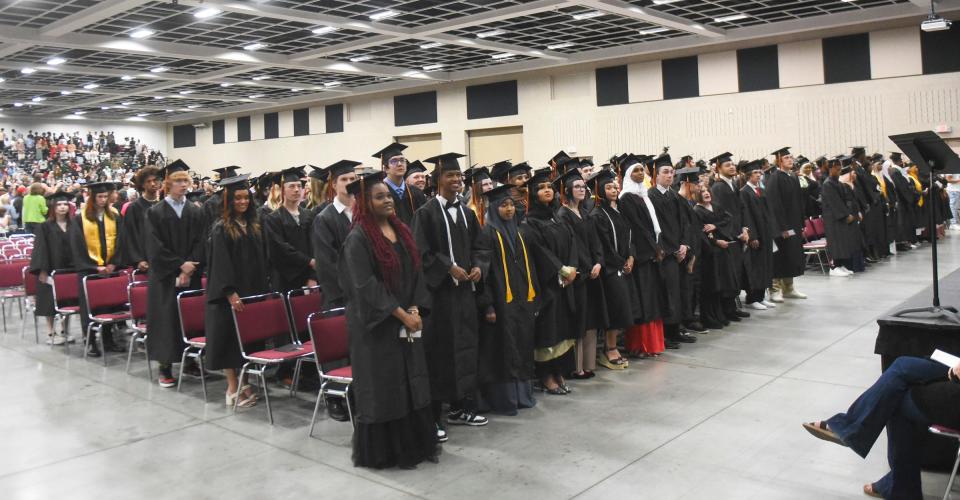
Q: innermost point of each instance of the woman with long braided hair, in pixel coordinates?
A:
(383, 281)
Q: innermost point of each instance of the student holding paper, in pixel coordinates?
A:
(911, 395)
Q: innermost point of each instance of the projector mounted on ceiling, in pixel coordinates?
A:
(935, 22)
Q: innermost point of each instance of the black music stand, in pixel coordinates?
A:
(932, 156)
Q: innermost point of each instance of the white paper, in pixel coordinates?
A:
(945, 358)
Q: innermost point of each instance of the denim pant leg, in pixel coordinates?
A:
(860, 426)
(905, 432)
(954, 197)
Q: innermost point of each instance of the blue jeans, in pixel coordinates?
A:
(887, 403)
(954, 198)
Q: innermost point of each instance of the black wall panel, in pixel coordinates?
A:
(414, 109)
(301, 121)
(184, 136)
(243, 128)
(758, 68)
(493, 99)
(680, 78)
(219, 131)
(334, 116)
(271, 125)
(846, 58)
(612, 88)
(939, 50)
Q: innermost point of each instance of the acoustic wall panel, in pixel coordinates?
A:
(492, 99)
(334, 118)
(184, 136)
(800, 63)
(758, 68)
(301, 122)
(219, 131)
(939, 50)
(318, 120)
(243, 129)
(415, 109)
(286, 123)
(680, 78)
(895, 52)
(846, 58)
(717, 73)
(612, 86)
(645, 81)
(271, 125)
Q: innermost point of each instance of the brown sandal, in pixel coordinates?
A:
(819, 430)
(870, 492)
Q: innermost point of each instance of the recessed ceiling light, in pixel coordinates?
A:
(2, 80)
(727, 19)
(127, 77)
(255, 96)
(503, 55)
(261, 77)
(65, 92)
(588, 15)
(638, 10)
(159, 97)
(104, 107)
(433, 67)
(28, 71)
(360, 58)
(168, 111)
(18, 104)
(332, 84)
(535, 53)
(653, 31)
(159, 69)
(142, 33)
(563, 45)
(225, 84)
(193, 106)
(488, 34)
(323, 30)
(206, 13)
(78, 113)
(185, 92)
(37, 99)
(295, 90)
(431, 45)
(384, 14)
(56, 60)
(128, 103)
(90, 86)
(254, 46)
(664, 2)
(143, 114)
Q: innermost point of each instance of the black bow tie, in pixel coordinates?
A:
(449, 205)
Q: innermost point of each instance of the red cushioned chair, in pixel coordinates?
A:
(301, 303)
(948, 432)
(30, 301)
(105, 292)
(818, 227)
(11, 286)
(11, 252)
(328, 333)
(138, 276)
(264, 317)
(66, 296)
(192, 309)
(27, 251)
(137, 295)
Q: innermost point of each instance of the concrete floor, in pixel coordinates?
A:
(719, 419)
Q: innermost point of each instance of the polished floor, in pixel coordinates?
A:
(717, 419)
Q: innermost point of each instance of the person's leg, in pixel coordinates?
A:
(954, 198)
(905, 431)
(590, 351)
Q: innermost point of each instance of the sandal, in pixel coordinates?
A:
(870, 492)
(819, 430)
(579, 375)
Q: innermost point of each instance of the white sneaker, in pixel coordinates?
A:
(49, 340)
(794, 294)
(776, 296)
(758, 306)
(770, 305)
(839, 272)
(59, 339)
(849, 272)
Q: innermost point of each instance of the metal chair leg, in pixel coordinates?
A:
(296, 377)
(36, 329)
(266, 394)
(183, 361)
(103, 349)
(203, 374)
(243, 371)
(146, 354)
(86, 340)
(133, 340)
(346, 395)
(953, 475)
(316, 408)
(3, 309)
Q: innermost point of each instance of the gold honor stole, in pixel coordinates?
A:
(92, 236)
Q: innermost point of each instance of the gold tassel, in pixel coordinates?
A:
(506, 274)
(531, 293)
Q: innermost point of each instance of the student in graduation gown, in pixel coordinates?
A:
(213, 207)
(291, 251)
(238, 266)
(147, 182)
(417, 176)
(455, 257)
(786, 200)
(508, 305)
(840, 219)
(759, 254)
(907, 198)
(383, 280)
(406, 198)
(616, 241)
(553, 245)
(719, 269)
(51, 251)
(317, 199)
(875, 219)
(725, 197)
(518, 175)
(587, 288)
(96, 240)
(173, 233)
(330, 229)
(477, 181)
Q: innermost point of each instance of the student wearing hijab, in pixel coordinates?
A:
(330, 229)
(406, 198)
(508, 305)
(645, 337)
(759, 254)
(238, 266)
(587, 288)
(51, 251)
(385, 287)
(147, 182)
(786, 200)
(554, 248)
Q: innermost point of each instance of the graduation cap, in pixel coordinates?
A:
(395, 149)
(59, 196)
(781, 152)
(599, 179)
(519, 168)
(415, 167)
(226, 172)
(341, 167)
(498, 193)
(101, 187)
(721, 158)
(586, 162)
(629, 161)
(568, 164)
(500, 170)
(896, 156)
(176, 166)
(195, 196)
(540, 175)
(317, 173)
(475, 174)
(445, 162)
(238, 182)
(876, 157)
(858, 150)
(263, 182)
(559, 158)
(846, 163)
(751, 166)
(689, 174)
(357, 186)
(802, 159)
(292, 174)
(662, 161)
(567, 178)
(687, 158)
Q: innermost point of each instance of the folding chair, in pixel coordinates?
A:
(954, 434)
(301, 303)
(66, 292)
(30, 301)
(192, 307)
(11, 286)
(10, 252)
(27, 251)
(328, 333)
(105, 292)
(138, 276)
(264, 317)
(137, 295)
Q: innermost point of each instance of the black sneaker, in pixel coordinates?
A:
(695, 327)
(669, 344)
(462, 417)
(686, 338)
(742, 314)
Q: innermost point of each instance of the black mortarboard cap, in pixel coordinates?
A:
(318, 173)
(263, 182)
(689, 174)
(559, 158)
(236, 182)
(60, 196)
(567, 164)
(195, 195)
(586, 162)
(175, 166)
(498, 193)
(856, 150)
(662, 161)
(292, 174)
(395, 149)
(445, 162)
(475, 174)
(896, 156)
(781, 152)
(226, 172)
(568, 177)
(629, 161)
(364, 180)
(101, 187)
(601, 177)
(341, 167)
(876, 157)
(721, 158)
(750, 166)
(802, 159)
(500, 170)
(540, 175)
(520, 167)
(415, 167)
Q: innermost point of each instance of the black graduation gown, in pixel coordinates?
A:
(674, 231)
(169, 242)
(619, 290)
(907, 210)
(811, 196)
(875, 220)
(843, 239)
(718, 269)
(330, 229)
(135, 249)
(212, 209)
(760, 221)
(241, 266)
(450, 331)
(506, 347)
(646, 269)
(553, 245)
(727, 199)
(591, 308)
(412, 200)
(290, 248)
(786, 201)
(82, 261)
(51, 251)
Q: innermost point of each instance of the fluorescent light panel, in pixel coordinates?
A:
(142, 33)
(255, 46)
(504, 55)
(563, 45)
(433, 67)
(488, 34)
(55, 61)
(206, 13)
(360, 58)
(323, 30)
(384, 14)
(733, 17)
(653, 31)
(588, 15)
(431, 45)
